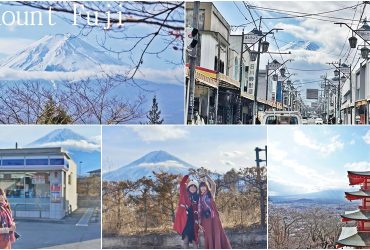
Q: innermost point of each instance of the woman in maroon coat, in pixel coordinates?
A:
(209, 220)
(7, 225)
(186, 217)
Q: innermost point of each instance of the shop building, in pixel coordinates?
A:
(39, 182)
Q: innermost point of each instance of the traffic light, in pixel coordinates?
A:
(192, 34)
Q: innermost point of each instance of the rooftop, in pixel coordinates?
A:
(351, 237)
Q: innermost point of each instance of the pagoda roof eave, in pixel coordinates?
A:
(349, 236)
(357, 194)
(357, 215)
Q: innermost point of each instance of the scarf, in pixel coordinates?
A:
(205, 203)
(6, 221)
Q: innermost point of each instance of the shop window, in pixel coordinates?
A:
(37, 162)
(13, 162)
(56, 161)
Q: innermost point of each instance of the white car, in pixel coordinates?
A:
(282, 118)
(304, 121)
(318, 121)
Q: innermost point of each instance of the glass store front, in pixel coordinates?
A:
(39, 186)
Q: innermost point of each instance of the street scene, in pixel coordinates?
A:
(50, 187)
(277, 62)
(162, 189)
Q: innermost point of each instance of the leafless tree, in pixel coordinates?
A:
(86, 101)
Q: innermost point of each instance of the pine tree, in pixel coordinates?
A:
(53, 114)
(154, 115)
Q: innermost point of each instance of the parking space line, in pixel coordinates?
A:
(84, 221)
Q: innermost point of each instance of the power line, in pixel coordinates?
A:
(349, 32)
(311, 69)
(304, 14)
(240, 11)
(250, 13)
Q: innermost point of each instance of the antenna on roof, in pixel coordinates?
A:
(16, 145)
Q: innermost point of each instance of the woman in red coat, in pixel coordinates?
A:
(186, 217)
(7, 225)
(214, 234)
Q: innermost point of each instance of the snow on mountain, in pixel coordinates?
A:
(60, 53)
(156, 161)
(59, 135)
(301, 45)
(84, 152)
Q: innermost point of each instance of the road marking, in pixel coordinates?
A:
(84, 221)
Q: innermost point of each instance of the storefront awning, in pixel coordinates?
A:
(227, 81)
(360, 102)
(204, 76)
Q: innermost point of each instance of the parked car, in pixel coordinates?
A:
(282, 118)
(318, 121)
(304, 121)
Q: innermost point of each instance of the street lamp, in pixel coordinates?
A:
(265, 46)
(289, 82)
(282, 71)
(275, 77)
(336, 72)
(343, 79)
(365, 52)
(352, 42)
(253, 55)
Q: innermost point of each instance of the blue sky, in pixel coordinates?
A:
(309, 158)
(15, 38)
(218, 148)
(328, 36)
(26, 134)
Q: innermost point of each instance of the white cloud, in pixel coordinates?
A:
(9, 45)
(228, 163)
(174, 76)
(160, 133)
(232, 154)
(324, 148)
(73, 144)
(357, 166)
(367, 137)
(164, 164)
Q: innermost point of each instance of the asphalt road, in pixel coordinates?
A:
(59, 234)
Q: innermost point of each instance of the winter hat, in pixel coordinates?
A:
(193, 182)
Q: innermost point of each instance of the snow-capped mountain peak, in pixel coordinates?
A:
(86, 154)
(59, 52)
(59, 135)
(301, 45)
(156, 161)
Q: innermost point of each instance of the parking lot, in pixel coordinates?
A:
(81, 230)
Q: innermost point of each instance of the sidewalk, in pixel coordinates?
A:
(65, 234)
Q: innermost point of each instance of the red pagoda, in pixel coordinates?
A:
(358, 236)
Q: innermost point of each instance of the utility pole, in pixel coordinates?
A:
(339, 99)
(267, 82)
(241, 72)
(261, 184)
(255, 105)
(192, 64)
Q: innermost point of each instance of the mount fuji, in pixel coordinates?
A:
(59, 53)
(156, 161)
(301, 45)
(84, 152)
(64, 57)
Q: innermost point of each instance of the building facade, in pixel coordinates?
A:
(39, 182)
(224, 84)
